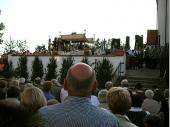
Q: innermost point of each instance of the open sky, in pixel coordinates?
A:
(36, 20)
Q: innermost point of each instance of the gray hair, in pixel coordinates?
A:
(33, 98)
(149, 94)
(124, 83)
(102, 95)
(108, 85)
(55, 82)
(22, 80)
(28, 85)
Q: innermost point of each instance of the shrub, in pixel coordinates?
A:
(104, 72)
(21, 70)
(51, 69)
(66, 64)
(37, 68)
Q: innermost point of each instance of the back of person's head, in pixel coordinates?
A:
(28, 85)
(124, 83)
(138, 86)
(3, 84)
(52, 102)
(55, 82)
(13, 92)
(16, 116)
(137, 100)
(108, 85)
(154, 87)
(166, 93)
(22, 80)
(102, 95)
(80, 80)
(2, 94)
(152, 121)
(119, 100)
(158, 95)
(33, 98)
(14, 83)
(47, 86)
(37, 80)
(149, 94)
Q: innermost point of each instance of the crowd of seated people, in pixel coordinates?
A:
(75, 104)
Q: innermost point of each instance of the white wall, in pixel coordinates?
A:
(115, 60)
(162, 19)
(167, 39)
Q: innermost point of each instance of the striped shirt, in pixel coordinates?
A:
(77, 112)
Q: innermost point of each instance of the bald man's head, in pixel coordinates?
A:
(81, 77)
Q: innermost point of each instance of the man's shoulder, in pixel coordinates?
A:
(104, 115)
(91, 113)
(48, 109)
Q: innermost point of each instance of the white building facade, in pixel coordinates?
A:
(163, 21)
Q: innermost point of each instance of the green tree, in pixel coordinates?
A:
(10, 45)
(40, 48)
(21, 46)
(66, 64)
(104, 72)
(51, 69)
(15, 45)
(97, 43)
(37, 68)
(22, 67)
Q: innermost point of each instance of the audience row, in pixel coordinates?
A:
(77, 104)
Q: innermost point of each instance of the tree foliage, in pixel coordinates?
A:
(22, 67)
(51, 69)
(10, 45)
(21, 46)
(104, 72)
(37, 68)
(15, 45)
(2, 27)
(66, 64)
(97, 43)
(40, 48)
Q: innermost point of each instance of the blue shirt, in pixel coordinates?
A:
(77, 112)
(48, 96)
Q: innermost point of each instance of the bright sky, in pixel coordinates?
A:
(36, 20)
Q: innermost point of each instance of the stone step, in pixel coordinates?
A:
(146, 82)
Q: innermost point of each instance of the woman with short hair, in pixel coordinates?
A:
(102, 96)
(149, 104)
(119, 102)
(33, 98)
